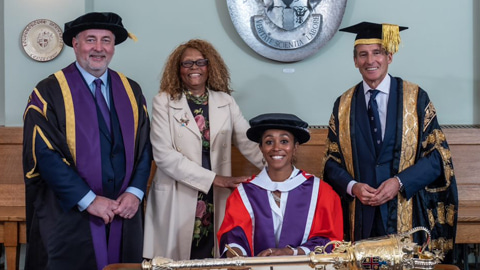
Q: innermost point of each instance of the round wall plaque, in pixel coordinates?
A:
(42, 40)
(286, 30)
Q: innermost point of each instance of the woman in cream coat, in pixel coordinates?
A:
(181, 135)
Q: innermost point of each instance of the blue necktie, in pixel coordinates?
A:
(374, 118)
(102, 104)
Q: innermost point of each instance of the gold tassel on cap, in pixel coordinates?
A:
(390, 37)
(132, 36)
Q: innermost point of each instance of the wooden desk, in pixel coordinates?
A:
(123, 266)
(12, 233)
(465, 146)
(12, 195)
(468, 225)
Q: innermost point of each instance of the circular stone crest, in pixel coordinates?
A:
(42, 40)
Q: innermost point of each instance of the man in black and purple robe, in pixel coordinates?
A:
(86, 156)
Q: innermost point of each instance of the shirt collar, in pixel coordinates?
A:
(383, 87)
(89, 78)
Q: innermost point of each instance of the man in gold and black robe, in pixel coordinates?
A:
(386, 155)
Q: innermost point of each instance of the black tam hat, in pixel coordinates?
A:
(388, 35)
(96, 20)
(283, 121)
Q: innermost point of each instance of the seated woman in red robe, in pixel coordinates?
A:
(282, 210)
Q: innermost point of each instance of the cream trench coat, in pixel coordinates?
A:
(177, 151)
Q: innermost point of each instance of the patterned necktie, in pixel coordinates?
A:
(374, 119)
(102, 104)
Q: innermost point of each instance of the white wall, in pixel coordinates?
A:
(2, 68)
(437, 53)
(21, 72)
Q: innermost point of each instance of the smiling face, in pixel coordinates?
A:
(278, 148)
(372, 61)
(194, 78)
(94, 49)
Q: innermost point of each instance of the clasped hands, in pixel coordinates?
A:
(125, 206)
(375, 197)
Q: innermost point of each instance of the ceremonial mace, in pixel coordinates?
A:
(389, 252)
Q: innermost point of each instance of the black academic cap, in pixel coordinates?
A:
(96, 20)
(283, 121)
(388, 35)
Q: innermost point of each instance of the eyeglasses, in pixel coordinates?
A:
(199, 63)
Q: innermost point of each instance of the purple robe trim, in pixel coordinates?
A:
(36, 101)
(264, 236)
(123, 107)
(88, 163)
(296, 212)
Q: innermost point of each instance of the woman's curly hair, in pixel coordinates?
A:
(218, 74)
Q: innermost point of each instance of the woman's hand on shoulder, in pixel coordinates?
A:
(229, 181)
